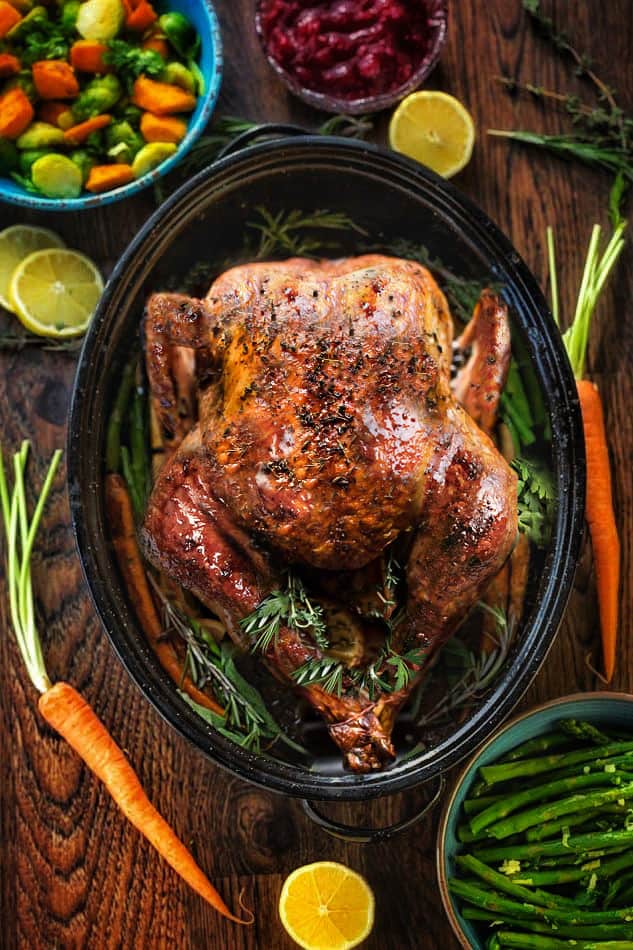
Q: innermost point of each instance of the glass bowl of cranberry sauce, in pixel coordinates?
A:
(352, 56)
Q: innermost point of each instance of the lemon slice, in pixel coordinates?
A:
(435, 129)
(325, 906)
(54, 292)
(16, 243)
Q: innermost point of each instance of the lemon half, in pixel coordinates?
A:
(326, 906)
(434, 129)
(54, 292)
(16, 243)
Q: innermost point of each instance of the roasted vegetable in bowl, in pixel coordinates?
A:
(110, 78)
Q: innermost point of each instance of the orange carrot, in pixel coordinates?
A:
(142, 17)
(121, 520)
(77, 134)
(55, 79)
(9, 65)
(105, 177)
(599, 497)
(64, 709)
(162, 128)
(86, 56)
(16, 113)
(161, 98)
(9, 16)
(601, 519)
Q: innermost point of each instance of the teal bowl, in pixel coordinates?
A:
(601, 709)
(203, 17)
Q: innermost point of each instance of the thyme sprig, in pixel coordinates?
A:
(289, 606)
(477, 670)
(246, 719)
(602, 133)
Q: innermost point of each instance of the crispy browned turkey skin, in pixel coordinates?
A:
(328, 427)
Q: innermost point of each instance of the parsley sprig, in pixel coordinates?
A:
(129, 61)
(536, 499)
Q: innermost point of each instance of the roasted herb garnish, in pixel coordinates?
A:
(536, 499)
(246, 719)
(289, 606)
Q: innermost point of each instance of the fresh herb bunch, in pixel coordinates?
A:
(283, 232)
(46, 40)
(602, 133)
(246, 720)
(289, 606)
(536, 499)
(130, 61)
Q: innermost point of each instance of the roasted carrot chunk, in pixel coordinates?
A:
(161, 98)
(55, 79)
(9, 16)
(16, 113)
(141, 17)
(9, 65)
(50, 111)
(77, 134)
(106, 177)
(162, 128)
(86, 56)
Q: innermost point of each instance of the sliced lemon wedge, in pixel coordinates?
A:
(16, 243)
(54, 292)
(326, 906)
(434, 129)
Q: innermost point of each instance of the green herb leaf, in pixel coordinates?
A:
(129, 61)
(536, 499)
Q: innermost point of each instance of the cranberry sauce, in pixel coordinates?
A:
(348, 49)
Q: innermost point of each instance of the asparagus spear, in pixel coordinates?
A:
(584, 730)
(510, 939)
(586, 932)
(601, 869)
(507, 804)
(568, 915)
(546, 763)
(550, 828)
(503, 883)
(534, 816)
(594, 844)
(551, 740)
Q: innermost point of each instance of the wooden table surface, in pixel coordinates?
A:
(73, 873)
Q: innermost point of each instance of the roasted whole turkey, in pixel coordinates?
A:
(328, 435)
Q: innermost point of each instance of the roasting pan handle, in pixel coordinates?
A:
(364, 835)
(265, 130)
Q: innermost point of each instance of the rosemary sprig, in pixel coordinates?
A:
(479, 670)
(284, 232)
(246, 719)
(289, 606)
(323, 671)
(602, 134)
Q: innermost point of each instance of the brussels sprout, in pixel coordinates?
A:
(19, 31)
(129, 112)
(178, 75)
(68, 15)
(180, 34)
(123, 142)
(84, 161)
(28, 158)
(150, 156)
(97, 97)
(56, 176)
(8, 157)
(40, 135)
(100, 20)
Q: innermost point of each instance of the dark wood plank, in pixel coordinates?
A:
(72, 872)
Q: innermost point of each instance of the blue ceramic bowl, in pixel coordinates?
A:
(601, 709)
(203, 17)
